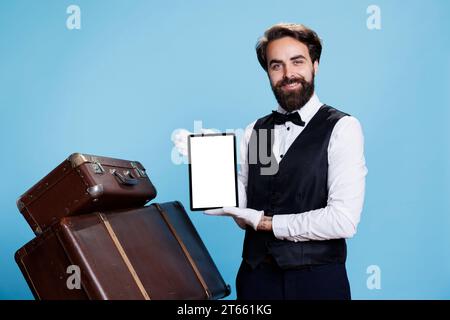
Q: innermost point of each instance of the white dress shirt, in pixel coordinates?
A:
(346, 179)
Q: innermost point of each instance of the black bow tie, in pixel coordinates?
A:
(280, 118)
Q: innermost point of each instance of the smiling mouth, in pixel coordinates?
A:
(293, 85)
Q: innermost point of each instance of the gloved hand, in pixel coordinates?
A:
(250, 217)
(180, 139)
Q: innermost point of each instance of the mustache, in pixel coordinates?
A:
(286, 81)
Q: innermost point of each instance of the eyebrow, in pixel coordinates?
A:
(293, 58)
(297, 57)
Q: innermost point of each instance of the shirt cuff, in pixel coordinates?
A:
(280, 226)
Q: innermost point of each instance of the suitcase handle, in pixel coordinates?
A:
(128, 181)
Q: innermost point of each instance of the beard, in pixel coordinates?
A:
(291, 100)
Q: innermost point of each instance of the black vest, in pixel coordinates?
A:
(299, 185)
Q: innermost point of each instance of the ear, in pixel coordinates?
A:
(316, 67)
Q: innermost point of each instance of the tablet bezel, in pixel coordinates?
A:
(190, 169)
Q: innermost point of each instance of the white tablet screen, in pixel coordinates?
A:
(212, 171)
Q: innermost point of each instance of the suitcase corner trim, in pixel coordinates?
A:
(77, 159)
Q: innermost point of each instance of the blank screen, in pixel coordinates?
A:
(212, 171)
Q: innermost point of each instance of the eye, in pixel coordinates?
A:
(298, 62)
(275, 66)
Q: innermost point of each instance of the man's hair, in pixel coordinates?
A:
(297, 31)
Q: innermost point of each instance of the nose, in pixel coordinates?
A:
(288, 71)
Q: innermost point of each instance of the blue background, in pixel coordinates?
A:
(137, 70)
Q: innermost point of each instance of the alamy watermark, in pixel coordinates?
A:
(73, 21)
(258, 151)
(74, 279)
(373, 281)
(374, 19)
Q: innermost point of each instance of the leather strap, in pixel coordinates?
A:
(124, 255)
(185, 251)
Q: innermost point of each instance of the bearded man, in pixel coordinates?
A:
(298, 208)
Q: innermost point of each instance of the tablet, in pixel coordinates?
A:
(212, 171)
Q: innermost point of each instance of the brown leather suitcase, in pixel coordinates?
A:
(82, 184)
(153, 252)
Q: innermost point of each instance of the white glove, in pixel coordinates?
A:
(180, 139)
(250, 217)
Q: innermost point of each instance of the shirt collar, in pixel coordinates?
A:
(308, 110)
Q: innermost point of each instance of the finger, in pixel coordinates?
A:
(215, 212)
(231, 210)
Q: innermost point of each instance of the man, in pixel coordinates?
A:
(298, 215)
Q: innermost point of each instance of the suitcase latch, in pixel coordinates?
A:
(98, 168)
(141, 172)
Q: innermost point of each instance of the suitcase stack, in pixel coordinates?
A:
(97, 240)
